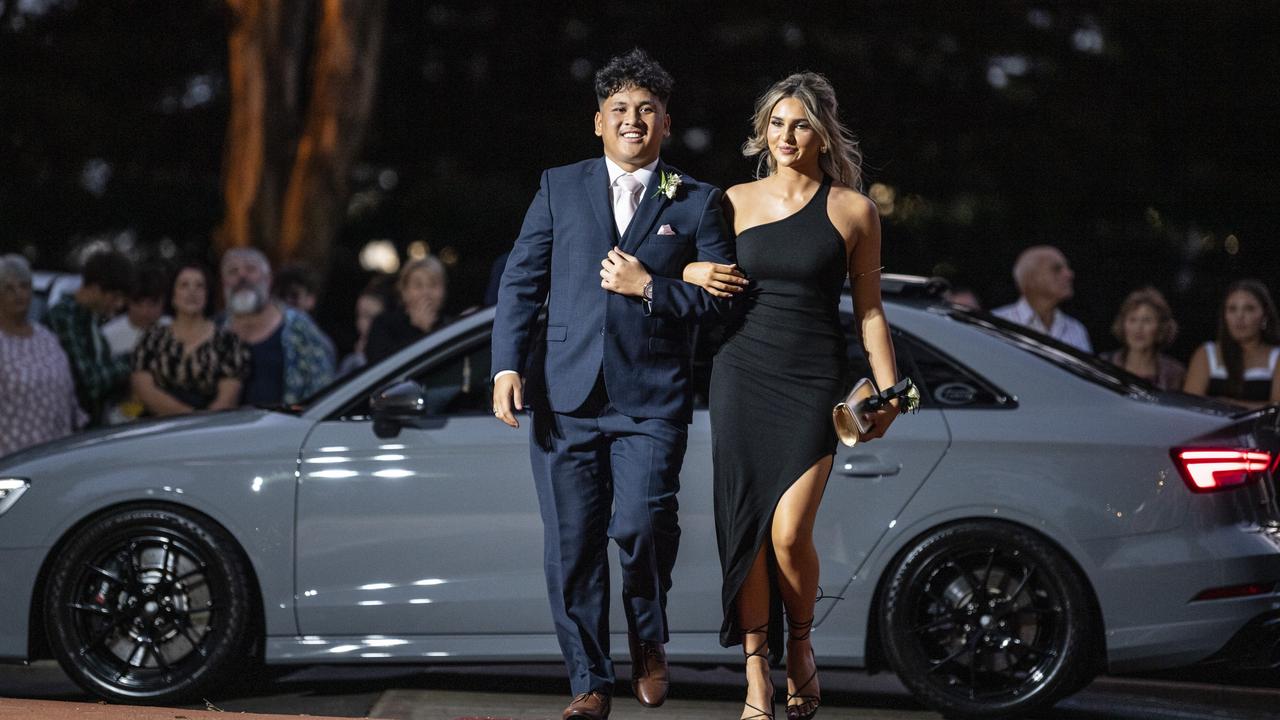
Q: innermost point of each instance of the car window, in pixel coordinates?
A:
(459, 385)
(945, 382)
(456, 380)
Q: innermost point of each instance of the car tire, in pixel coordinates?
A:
(987, 620)
(148, 605)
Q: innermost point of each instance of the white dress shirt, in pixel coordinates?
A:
(1063, 328)
(644, 175)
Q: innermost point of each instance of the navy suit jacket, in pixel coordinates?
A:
(644, 351)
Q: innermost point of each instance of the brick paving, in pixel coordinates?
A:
(55, 710)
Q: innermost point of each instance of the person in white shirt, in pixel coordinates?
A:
(1046, 281)
(144, 309)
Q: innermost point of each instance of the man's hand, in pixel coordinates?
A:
(623, 274)
(508, 396)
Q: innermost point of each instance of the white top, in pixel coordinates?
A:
(122, 336)
(1218, 371)
(1064, 328)
(644, 174)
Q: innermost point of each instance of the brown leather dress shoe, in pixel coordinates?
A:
(649, 678)
(593, 705)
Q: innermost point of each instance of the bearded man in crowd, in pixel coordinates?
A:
(291, 357)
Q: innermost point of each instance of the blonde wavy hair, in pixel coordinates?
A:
(842, 159)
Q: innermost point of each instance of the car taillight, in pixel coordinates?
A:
(1210, 469)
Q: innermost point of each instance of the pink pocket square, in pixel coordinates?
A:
(666, 230)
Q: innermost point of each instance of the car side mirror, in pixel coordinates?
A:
(400, 405)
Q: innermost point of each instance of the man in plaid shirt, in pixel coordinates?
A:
(76, 320)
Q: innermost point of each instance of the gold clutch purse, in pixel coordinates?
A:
(851, 416)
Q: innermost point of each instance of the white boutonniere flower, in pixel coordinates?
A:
(911, 402)
(668, 184)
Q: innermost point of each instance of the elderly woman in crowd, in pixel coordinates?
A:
(37, 392)
(1145, 327)
(191, 363)
(422, 287)
(1243, 365)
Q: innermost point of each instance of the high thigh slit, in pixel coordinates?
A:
(781, 368)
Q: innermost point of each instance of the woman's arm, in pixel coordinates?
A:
(1197, 382)
(720, 280)
(1275, 385)
(864, 278)
(228, 396)
(157, 401)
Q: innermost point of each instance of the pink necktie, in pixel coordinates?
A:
(626, 197)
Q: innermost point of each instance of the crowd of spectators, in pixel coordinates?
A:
(146, 341)
(1241, 365)
(149, 341)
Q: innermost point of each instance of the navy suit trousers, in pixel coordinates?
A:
(599, 475)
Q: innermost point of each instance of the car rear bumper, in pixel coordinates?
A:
(1255, 647)
(1148, 587)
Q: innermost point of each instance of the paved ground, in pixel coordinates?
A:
(539, 692)
(57, 710)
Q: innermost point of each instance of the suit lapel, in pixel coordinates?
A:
(597, 189)
(651, 206)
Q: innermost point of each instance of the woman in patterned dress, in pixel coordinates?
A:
(191, 363)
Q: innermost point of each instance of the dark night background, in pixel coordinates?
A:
(1137, 136)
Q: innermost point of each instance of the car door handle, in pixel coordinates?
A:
(866, 466)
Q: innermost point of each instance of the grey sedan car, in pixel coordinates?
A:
(1042, 518)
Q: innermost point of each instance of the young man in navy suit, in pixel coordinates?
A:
(603, 245)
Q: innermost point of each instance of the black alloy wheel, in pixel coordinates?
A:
(148, 605)
(987, 620)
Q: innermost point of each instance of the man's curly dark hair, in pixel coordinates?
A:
(634, 69)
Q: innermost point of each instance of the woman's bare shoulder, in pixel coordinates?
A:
(852, 203)
(851, 212)
(742, 191)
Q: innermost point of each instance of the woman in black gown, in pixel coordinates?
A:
(801, 228)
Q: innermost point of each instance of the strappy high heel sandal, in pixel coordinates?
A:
(809, 704)
(761, 652)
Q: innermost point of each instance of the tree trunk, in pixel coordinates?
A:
(345, 76)
(285, 171)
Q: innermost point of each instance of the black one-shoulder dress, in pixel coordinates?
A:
(773, 383)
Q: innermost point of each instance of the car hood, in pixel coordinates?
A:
(130, 432)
